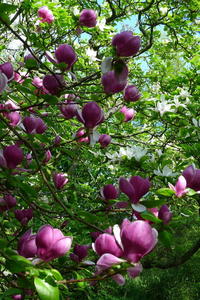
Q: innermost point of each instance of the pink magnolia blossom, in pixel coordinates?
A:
(53, 83)
(180, 187)
(51, 243)
(129, 113)
(79, 252)
(46, 15)
(60, 180)
(34, 125)
(13, 116)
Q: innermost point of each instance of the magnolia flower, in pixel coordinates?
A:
(166, 172)
(91, 54)
(91, 115)
(177, 103)
(135, 151)
(184, 93)
(164, 107)
(109, 192)
(135, 188)
(126, 43)
(163, 10)
(180, 187)
(192, 177)
(45, 14)
(51, 243)
(88, 18)
(101, 23)
(60, 180)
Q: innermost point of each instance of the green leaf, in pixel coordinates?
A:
(56, 274)
(50, 99)
(45, 290)
(153, 203)
(3, 243)
(31, 63)
(17, 264)
(149, 216)
(165, 192)
(191, 192)
(4, 7)
(10, 292)
(166, 238)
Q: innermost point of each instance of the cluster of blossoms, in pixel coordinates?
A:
(49, 243)
(129, 243)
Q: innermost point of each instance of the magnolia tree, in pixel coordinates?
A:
(99, 143)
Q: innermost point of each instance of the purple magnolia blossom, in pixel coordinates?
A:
(113, 81)
(47, 156)
(137, 239)
(11, 156)
(135, 188)
(104, 140)
(46, 15)
(13, 116)
(80, 134)
(88, 18)
(59, 180)
(126, 43)
(51, 243)
(26, 245)
(53, 83)
(91, 115)
(24, 215)
(33, 125)
(131, 93)
(7, 69)
(192, 177)
(65, 54)
(165, 214)
(79, 252)
(180, 187)
(129, 113)
(68, 109)
(109, 192)
(106, 243)
(7, 202)
(3, 83)
(57, 140)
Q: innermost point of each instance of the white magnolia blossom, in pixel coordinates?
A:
(196, 122)
(165, 172)
(164, 107)
(136, 151)
(184, 93)
(76, 11)
(101, 23)
(91, 54)
(163, 10)
(177, 103)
